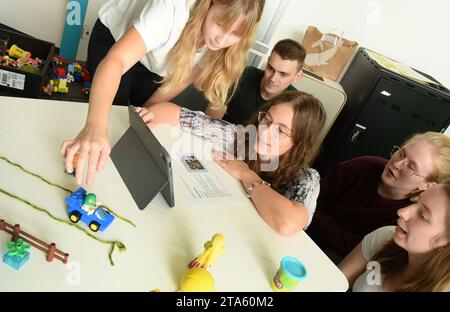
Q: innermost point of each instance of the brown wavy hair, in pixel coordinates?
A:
(222, 68)
(432, 275)
(309, 118)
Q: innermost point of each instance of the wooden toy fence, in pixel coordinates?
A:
(50, 250)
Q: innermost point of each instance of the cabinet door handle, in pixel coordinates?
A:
(356, 133)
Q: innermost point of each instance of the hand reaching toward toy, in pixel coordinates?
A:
(91, 144)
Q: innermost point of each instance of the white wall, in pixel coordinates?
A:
(412, 32)
(47, 21)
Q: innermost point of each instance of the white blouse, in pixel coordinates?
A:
(159, 23)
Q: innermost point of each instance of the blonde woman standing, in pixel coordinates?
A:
(173, 42)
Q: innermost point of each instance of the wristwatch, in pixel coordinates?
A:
(255, 184)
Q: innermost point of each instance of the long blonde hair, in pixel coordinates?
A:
(441, 159)
(222, 68)
(432, 275)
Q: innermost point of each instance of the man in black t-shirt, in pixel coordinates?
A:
(257, 86)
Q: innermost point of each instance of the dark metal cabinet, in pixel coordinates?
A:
(383, 109)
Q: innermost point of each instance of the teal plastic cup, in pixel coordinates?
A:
(289, 274)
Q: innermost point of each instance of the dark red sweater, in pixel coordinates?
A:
(349, 206)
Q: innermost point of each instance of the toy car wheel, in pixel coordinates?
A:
(75, 216)
(94, 226)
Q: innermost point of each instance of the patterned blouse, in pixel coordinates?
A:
(304, 189)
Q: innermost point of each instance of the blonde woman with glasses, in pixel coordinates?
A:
(364, 193)
(286, 129)
(137, 45)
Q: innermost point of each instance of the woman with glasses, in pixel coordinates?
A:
(364, 193)
(412, 256)
(282, 141)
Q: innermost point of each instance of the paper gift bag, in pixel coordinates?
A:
(327, 54)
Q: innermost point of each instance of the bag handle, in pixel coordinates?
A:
(333, 37)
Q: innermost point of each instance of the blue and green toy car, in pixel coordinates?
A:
(99, 220)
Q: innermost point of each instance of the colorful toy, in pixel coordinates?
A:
(48, 89)
(90, 202)
(197, 278)
(70, 78)
(71, 68)
(60, 85)
(60, 73)
(77, 77)
(8, 61)
(17, 249)
(289, 274)
(74, 165)
(87, 82)
(78, 67)
(17, 254)
(58, 60)
(16, 52)
(36, 62)
(87, 87)
(84, 207)
(29, 68)
(213, 249)
(63, 77)
(24, 60)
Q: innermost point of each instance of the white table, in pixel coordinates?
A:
(162, 244)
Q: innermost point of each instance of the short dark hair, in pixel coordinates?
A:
(292, 50)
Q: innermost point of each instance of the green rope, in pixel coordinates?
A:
(59, 186)
(113, 244)
(34, 174)
(119, 217)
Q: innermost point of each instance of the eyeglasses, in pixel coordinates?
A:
(265, 119)
(398, 154)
